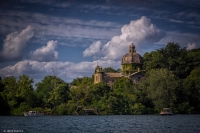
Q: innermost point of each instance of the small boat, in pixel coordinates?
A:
(33, 113)
(166, 111)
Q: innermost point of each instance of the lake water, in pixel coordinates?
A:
(102, 124)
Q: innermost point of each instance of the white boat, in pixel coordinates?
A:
(33, 113)
(166, 111)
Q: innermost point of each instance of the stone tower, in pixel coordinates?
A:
(98, 74)
(131, 62)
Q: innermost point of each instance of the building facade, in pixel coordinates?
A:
(132, 68)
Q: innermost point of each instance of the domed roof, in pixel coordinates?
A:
(132, 56)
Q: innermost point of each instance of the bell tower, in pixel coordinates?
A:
(98, 74)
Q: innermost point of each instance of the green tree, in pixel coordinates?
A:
(25, 92)
(18, 94)
(152, 60)
(125, 88)
(46, 87)
(78, 94)
(76, 82)
(142, 98)
(116, 104)
(118, 70)
(78, 90)
(171, 57)
(97, 95)
(59, 95)
(109, 69)
(42, 91)
(5, 109)
(62, 109)
(161, 87)
(192, 90)
(1, 85)
(123, 85)
(99, 90)
(86, 94)
(193, 60)
(84, 80)
(9, 92)
(170, 54)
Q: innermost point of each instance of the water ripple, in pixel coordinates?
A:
(103, 124)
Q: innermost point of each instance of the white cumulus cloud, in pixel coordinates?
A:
(191, 46)
(137, 32)
(65, 70)
(45, 53)
(15, 43)
(94, 49)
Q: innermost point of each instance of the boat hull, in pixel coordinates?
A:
(166, 111)
(167, 114)
(33, 113)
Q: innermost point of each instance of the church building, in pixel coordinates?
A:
(132, 68)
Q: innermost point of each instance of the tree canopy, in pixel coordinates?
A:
(171, 57)
(109, 69)
(171, 80)
(161, 85)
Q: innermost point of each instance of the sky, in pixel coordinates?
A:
(70, 37)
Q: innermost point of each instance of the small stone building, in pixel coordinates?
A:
(132, 64)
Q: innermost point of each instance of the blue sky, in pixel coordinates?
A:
(71, 36)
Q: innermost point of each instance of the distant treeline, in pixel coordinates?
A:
(172, 80)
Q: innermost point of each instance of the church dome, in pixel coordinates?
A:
(132, 56)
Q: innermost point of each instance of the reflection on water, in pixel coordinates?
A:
(109, 124)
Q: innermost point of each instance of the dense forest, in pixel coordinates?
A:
(172, 80)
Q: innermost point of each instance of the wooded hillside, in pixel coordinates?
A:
(172, 80)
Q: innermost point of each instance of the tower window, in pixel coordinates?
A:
(96, 78)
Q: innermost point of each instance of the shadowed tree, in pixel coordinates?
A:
(171, 57)
(5, 109)
(161, 87)
(9, 92)
(192, 90)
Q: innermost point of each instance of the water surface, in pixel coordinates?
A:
(102, 124)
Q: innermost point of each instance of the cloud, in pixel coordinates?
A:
(182, 21)
(94, 49)
(137, 32)
(191, 46)
(15, 43)
(45, 53)
(65, 70)
(74, 28)
(55, 3)
(182, 38)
